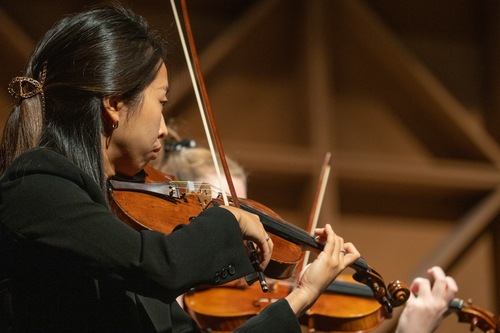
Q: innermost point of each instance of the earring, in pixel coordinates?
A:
(115, 125)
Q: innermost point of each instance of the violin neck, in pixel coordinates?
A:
(349, 288)
(298, 236)
(285, 230)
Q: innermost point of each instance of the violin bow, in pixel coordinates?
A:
(201, 96)
(477, 317)
(318, 200)
(210, 131)
(317, 204)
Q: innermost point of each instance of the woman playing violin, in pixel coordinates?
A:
(90, 107)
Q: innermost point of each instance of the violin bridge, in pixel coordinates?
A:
(204, 195)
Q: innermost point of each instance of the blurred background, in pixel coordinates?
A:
(404, 95)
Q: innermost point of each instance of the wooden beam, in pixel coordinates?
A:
(491, 49)
(495, 229)
(373, 37)
(14, 37)
(369, 168)
(436, 174)
(225, 42)
(466, 231)
(491, 11)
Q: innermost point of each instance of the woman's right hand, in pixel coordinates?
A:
(253, 230)
(334, 258)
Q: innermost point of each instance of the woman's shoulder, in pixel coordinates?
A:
(40, 169)
(42, 161)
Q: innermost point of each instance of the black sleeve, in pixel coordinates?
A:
(55, 214)
(276, 318)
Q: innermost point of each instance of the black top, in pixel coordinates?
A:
(75, 267)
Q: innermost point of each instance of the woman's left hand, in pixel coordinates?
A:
(428, 303)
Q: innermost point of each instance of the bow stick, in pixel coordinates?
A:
(206, 111)
(200, 94)
(317, 203)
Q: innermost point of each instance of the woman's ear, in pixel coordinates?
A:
(112, 106)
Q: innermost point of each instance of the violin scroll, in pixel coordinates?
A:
(396, 295)
(476, 316)
(399, 292)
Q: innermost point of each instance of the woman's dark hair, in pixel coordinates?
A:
(102, 52)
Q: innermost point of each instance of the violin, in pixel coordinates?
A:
(475, 316)
(228, 306)
(166, 203)
(154, 200)
(346, 306)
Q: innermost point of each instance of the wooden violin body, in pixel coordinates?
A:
(347, 307)
(156, 202)
(223, 308)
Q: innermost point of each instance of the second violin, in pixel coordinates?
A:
(346, 306)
